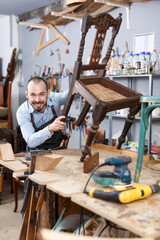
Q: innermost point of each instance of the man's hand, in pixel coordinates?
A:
(57, 125)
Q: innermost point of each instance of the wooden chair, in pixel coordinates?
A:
(10, 75)
(5, 108)
(103, 94)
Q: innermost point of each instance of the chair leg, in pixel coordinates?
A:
(91, 134)
(1, 184)
(15, 191)
(143, 129)
(128, 123)
(98, 115)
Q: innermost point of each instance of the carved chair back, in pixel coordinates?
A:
(102, 23)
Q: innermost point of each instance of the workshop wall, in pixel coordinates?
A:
(141, 20)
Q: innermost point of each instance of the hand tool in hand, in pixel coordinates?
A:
(120, 174)
(125, 194)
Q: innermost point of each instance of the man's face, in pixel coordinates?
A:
(37, 95)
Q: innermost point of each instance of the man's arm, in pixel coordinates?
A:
(32, 138)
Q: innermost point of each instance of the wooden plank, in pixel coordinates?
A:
(40, 42)
(121, 151)
(6, 152)
(40, 25)
(23, 232)
(32, 216)
(60, 35)
(46, 234)
(91, 162)
(15, 166)
(120, 3)
(45, 44)
(47, 162)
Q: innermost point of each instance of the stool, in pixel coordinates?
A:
(148, 104)
(16, 182)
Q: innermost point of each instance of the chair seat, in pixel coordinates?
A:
(3, 112)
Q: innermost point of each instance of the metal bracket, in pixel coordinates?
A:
(40, 152)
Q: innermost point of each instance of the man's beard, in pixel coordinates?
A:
(38, 108)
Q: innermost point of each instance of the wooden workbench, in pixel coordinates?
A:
(46, 234)
(15, 166)
(67, 179)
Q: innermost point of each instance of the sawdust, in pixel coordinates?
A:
(153, 164)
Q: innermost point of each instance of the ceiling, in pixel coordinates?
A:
(19, 7)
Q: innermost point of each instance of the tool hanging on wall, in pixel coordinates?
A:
(51, 53)
(67, 51)
(58, 54)
(44, 71)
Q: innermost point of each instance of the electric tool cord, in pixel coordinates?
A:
(103, 164)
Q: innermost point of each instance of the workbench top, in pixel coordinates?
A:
(15, 166)
(67, 172)
(68, 180)
(140, 217)
(50, 235)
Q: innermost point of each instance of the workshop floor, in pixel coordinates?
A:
(10, 222)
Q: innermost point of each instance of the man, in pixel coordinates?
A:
(39, 117)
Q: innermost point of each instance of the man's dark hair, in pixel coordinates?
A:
(37, 80)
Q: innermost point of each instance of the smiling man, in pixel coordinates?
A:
(39, 117)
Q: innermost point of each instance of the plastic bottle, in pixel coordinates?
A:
(120, 65)
(131, 63)
(126, 63)
(148, 62)
(154, 61)
(126, 59)
(136, 63)
(143, 62)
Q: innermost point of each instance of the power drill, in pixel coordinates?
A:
(120, 173)
(125, 194)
